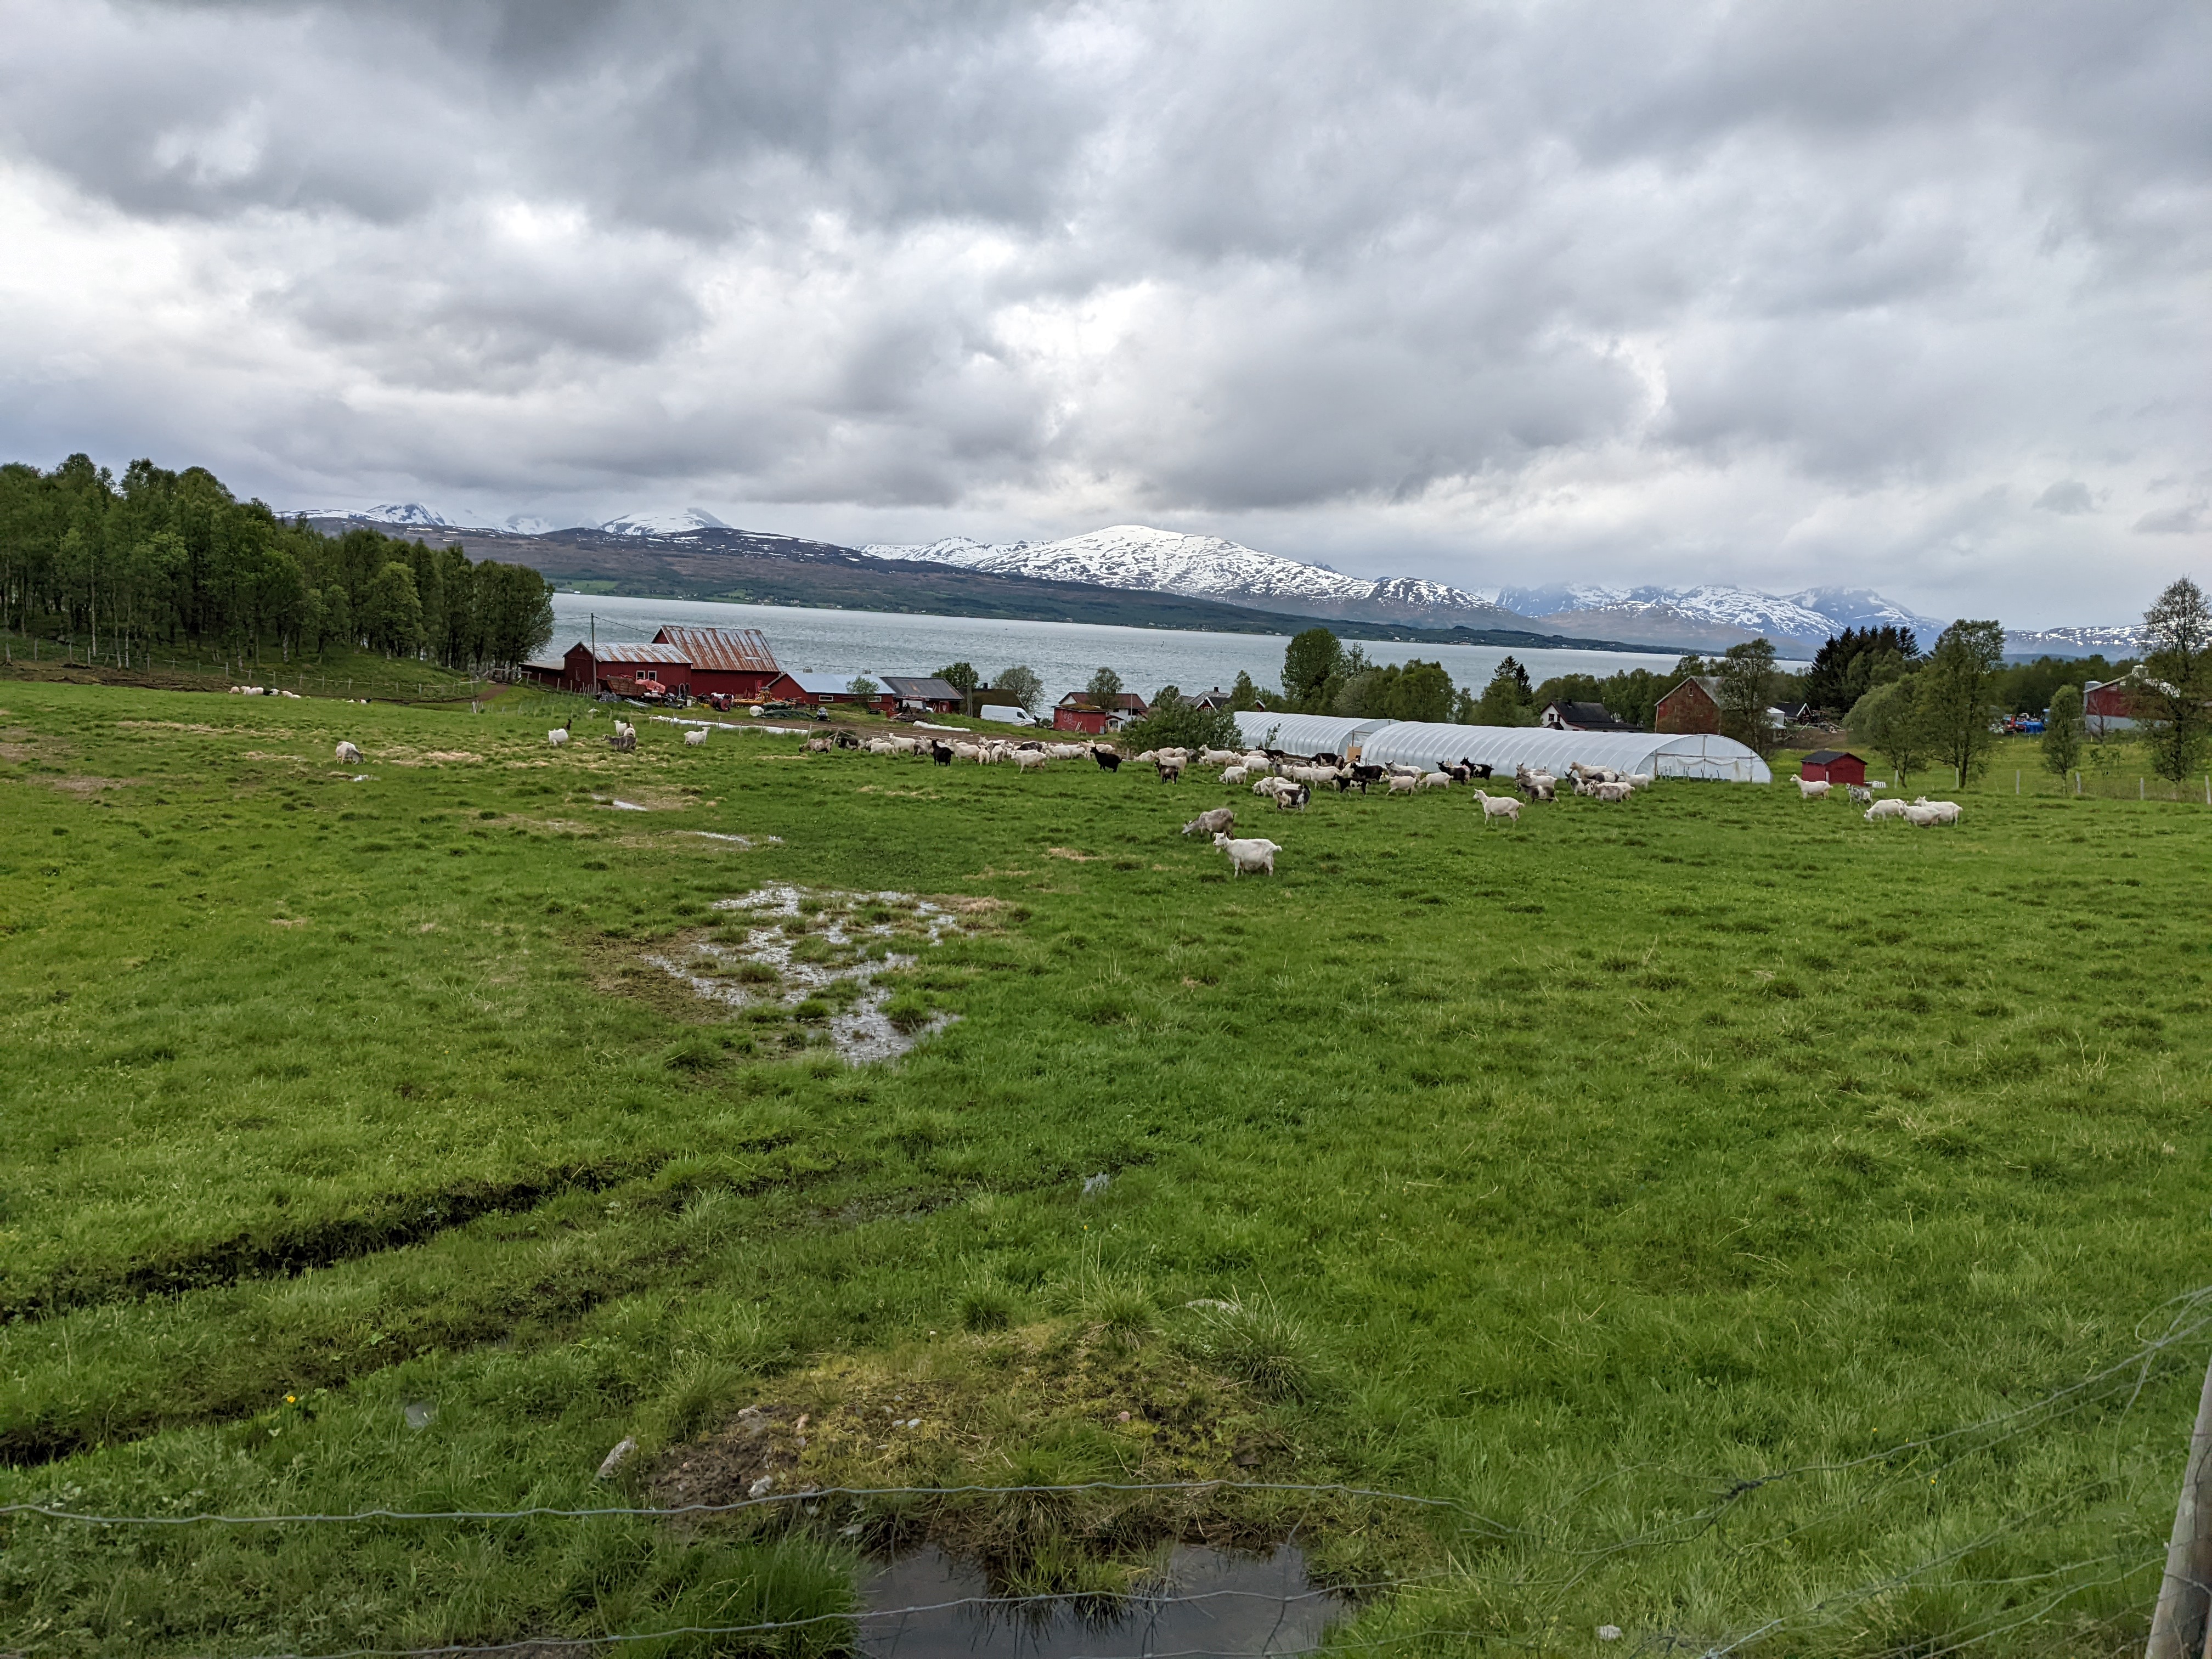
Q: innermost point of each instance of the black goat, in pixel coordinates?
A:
(941, 753)
(1107, 759)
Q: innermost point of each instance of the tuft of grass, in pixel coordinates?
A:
(1257, 1342)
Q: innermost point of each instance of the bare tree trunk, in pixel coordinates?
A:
(2177, 1627)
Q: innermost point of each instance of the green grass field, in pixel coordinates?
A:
(1709, 1196)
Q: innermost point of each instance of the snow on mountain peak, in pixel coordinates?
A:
(662, 521)
(529, 523)
(410, 514)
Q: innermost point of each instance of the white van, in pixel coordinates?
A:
(1005, 714)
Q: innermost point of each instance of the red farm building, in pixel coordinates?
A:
(1076, 713)
(1693, 706)
(1831, 766)
(730, 661)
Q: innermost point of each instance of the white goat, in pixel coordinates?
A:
(1498, 806)
(1254, 855)
(557, 736)
(1808, 790)
(695, 736)
(1232, 775)
(1436, 781)
(1886, 809)
(347, 752)
(1403, 783)
(1030, 760)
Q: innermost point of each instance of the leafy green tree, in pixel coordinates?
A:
(391, 613)
(1958, 694)
(861, 687)
(513, 606)
(1505, 700)
(961, 677)
(2177, 679)
(2061, 732)
(1174, 722)
(1836, 680)
(1245, 694)
(1311, 659)
(1746, 691)
(1105, 688)
(1019, 686)
(1888, 719)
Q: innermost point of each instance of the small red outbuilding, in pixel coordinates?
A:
(1833, 766)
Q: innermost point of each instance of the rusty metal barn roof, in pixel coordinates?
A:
(731, 650)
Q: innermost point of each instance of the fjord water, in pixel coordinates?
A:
(1064, 654)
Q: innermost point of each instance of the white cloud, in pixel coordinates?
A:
(1743, 292)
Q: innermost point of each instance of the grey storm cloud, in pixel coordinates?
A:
(1768, 292)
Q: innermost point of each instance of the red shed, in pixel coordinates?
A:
(1693, 706)
(1833, 766)
(1075, 713)
(736, 660)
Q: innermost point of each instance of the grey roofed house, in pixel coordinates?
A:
(1582, 717)
(925, 689)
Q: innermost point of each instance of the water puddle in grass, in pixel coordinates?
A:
(1208, 1602)
(805, 943)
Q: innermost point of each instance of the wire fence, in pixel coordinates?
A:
(2166, 1342)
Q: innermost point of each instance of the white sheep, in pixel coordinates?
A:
(1254, 855)
(695, 736)
(1808, 790)
(347, 753)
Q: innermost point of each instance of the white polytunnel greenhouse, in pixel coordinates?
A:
(1502, 748)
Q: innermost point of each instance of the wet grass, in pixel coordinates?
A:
(1578, 1172)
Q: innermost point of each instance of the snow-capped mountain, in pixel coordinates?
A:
(528, 524)
(1711, 614)
(661, 521)
(408, 515)
(1131, 555)
(2109, 640)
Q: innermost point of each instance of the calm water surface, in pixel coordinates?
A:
(1213, 1604)
(1064, 654)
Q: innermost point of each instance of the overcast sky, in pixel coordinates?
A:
(1911, 296)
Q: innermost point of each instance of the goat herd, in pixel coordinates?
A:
(1289, 780)
(1922, 813)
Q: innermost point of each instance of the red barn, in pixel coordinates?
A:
(1693, 706)
(1075, 713)
(734, 660)
(661, 665)
(1831, 766)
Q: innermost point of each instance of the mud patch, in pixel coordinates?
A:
(821, 954)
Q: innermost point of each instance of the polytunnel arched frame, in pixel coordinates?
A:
(1662, 754)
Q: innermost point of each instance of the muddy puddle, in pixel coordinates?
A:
(806, 945)
(1208, 1602)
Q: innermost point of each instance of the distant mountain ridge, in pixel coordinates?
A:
(1141, 560)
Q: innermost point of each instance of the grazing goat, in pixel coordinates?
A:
(1808, 791)
(1946, 811)
(1498, 806)
(694, 737)
(1248, 854)
(1030, 760)
(347, 752)
(1860, 794)
(1219, 821)
(1168, 767)
(1293, 799)
(1217, 757)
(1232, 775)
(1107, 759)
(1885, 809)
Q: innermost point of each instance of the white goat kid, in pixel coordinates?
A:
(694, 737)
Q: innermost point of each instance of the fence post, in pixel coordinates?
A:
(2177, 1625)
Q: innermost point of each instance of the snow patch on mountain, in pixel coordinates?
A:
(1134, 556)
(662, 521)
(529, 523)
(2105, 639)
(1809, 617)
(408, 515)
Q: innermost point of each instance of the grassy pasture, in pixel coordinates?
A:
(1586, 1173)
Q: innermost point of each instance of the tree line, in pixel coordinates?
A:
(1948, 706)
(163, 558)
